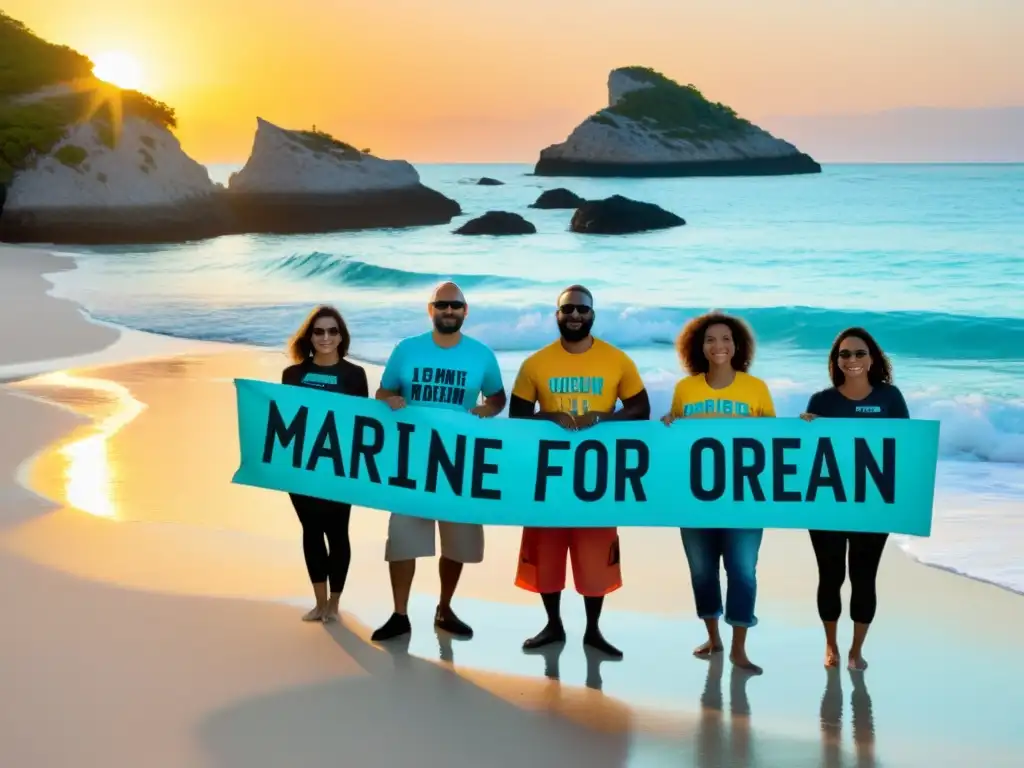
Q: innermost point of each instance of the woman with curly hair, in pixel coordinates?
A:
(716, 350)
(318, 350)
(861, 388)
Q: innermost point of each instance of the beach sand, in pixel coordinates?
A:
(151, 610)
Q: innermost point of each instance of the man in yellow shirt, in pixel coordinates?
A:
(577, 381)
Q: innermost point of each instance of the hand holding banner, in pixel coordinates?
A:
(830, 474)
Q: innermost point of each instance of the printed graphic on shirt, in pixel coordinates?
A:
(573, 393)
(438, 385)
(869, 409)
(321, 380)
(720, 407)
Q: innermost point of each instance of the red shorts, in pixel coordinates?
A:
(595, 560)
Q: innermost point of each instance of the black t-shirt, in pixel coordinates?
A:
(884, 402)
(343, 377)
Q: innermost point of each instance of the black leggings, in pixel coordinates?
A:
(324, 519)
(865, 555)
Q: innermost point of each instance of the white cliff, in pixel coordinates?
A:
(621, 82)
(665, 123)
(301, 162)
(146, 167)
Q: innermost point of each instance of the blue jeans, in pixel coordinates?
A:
(738, 548)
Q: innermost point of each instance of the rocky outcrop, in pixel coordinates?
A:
(551, 199)
(617, 215)
(144, 188)
(654, 127)
(306, 181)
(487, 181)
(497, 223)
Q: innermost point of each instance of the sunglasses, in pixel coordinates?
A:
(332, 331)
(568, 309)
(847, 354)
(449, 304)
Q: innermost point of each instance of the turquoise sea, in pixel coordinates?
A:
(930, 258)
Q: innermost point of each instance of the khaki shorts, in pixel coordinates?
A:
(413, 537)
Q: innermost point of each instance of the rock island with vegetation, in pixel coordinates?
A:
(655, 127)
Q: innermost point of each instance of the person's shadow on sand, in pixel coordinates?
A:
(832, 721)
(407, 711)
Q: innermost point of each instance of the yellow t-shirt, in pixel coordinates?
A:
(590, 381)
(746, 396)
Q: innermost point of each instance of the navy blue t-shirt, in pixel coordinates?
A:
(885, 402)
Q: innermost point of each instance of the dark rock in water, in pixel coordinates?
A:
(785, 165)
(497, 223)
(145, 224)
(558, 198)
(617, 215)
(487, 181)
(230, 213)
(298, 213)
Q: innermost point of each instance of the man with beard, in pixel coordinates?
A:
(577, 381)
(442, 368)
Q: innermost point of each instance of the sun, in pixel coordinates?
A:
(118, 68)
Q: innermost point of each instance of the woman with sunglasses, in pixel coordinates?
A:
(716, 350)
(318, 350)
(861, 388)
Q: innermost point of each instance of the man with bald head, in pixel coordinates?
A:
(442, 368)
(577, 381)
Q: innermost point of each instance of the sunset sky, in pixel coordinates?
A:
(479, 80)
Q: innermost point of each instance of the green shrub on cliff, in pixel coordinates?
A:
(321, 141)
(71, 155)
(678, 111)
(29, 64)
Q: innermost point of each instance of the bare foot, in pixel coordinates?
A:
(856, 663)
(330, 613)
(739, 658)
(705, 650)
(316, 614)
(831, 656)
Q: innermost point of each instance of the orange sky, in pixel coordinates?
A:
(479, 80)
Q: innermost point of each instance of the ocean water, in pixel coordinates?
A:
(930, 258)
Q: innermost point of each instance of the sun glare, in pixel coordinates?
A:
(117, 68)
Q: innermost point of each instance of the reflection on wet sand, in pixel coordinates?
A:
(832, 720)
(717, 746)
(89, 476)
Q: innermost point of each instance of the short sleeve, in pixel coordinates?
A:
(391, 379)
(492, 383)
(630, 383)
(525, 388)
(767, 404)
(292, 375)
(677, 399)
(898, 409)
(814, 405)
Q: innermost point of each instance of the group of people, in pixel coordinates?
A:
(577, 381)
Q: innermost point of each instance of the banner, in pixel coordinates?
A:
(829, 474)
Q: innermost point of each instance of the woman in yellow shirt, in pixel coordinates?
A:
(717, 350)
